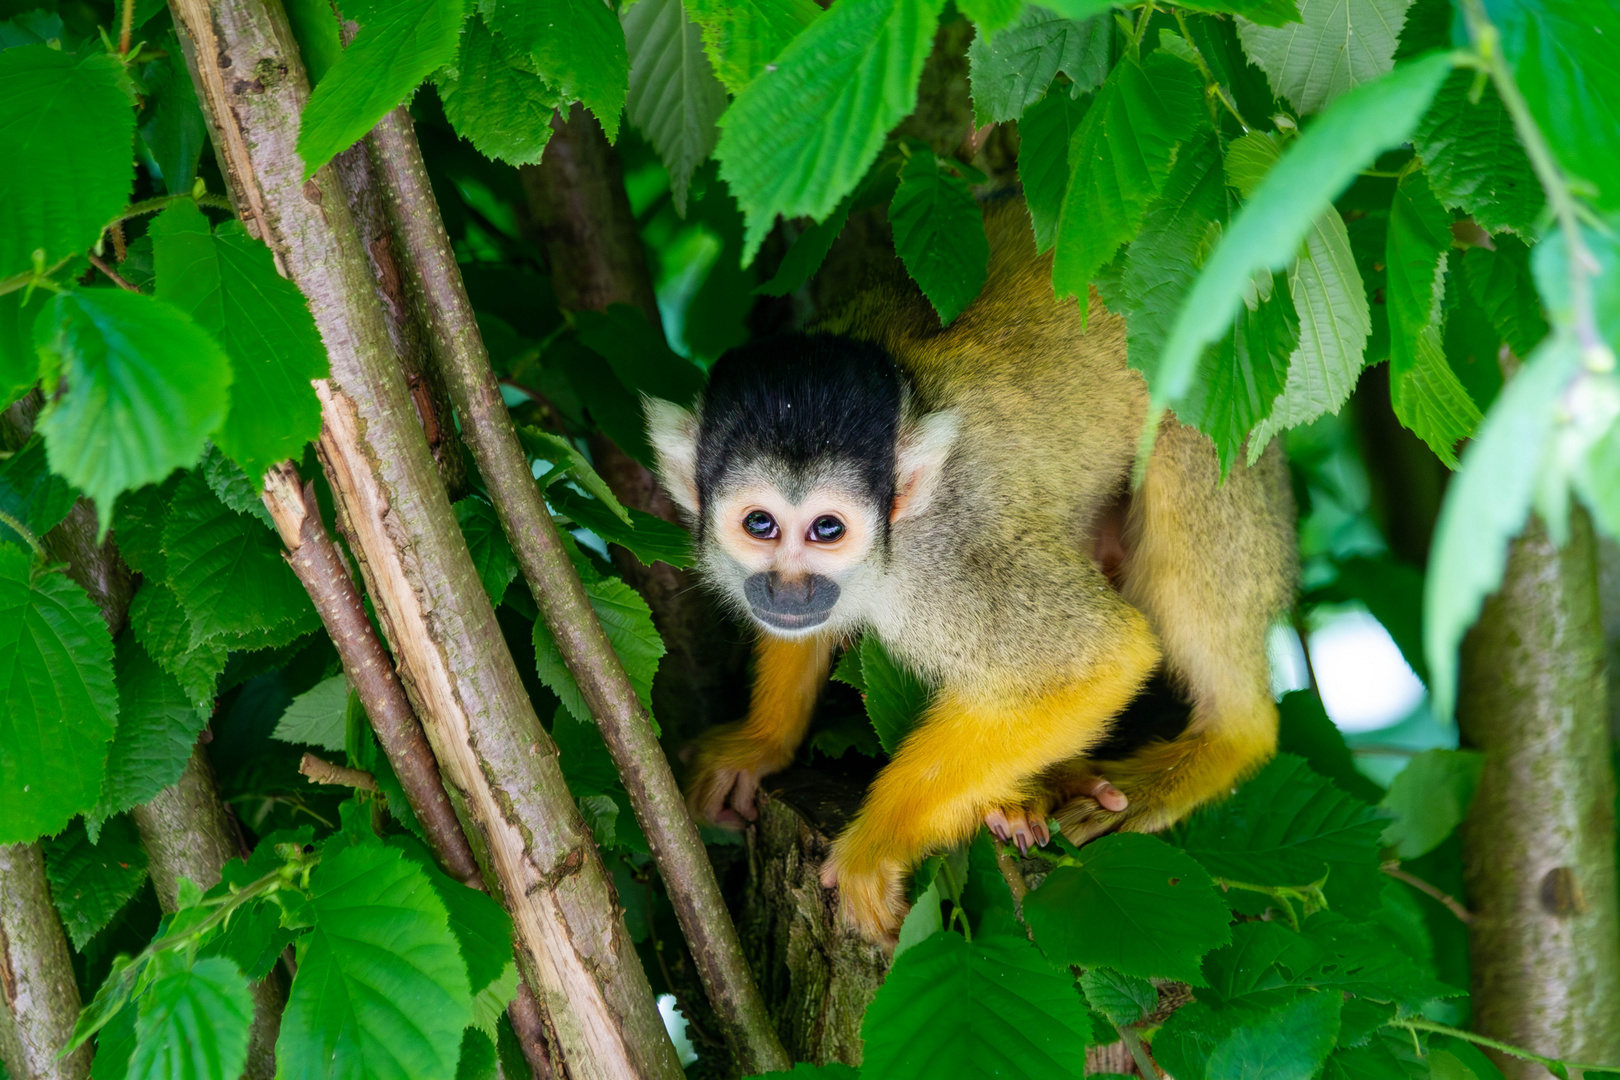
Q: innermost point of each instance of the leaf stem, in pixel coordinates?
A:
(22, 530)
(160, 202)
(1419, 1024)
(126, 27)
(1141, 28)
(1212, 85)
(1139, 1054)
(1566, 209)
(117, 279)
(1393, 869)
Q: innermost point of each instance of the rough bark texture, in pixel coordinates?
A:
(320, 567)
(1539, 843)
(435, 283)
(582, 218)
(500, 765)
(817, 975)
(36, 974)
(187, 833)
(405, 326)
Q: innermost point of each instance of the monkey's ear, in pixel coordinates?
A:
(924, 445)
(673, 433)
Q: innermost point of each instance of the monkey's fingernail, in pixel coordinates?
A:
(1042, 834)
(1023, 844)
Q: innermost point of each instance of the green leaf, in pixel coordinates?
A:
(58, 704)
(1132, 903)
(833, 1070)
(1427, 395)
(923, 921)
(1045, 134)
(19, 363)
(381, 992)
(1473, 158)
(232, 486)
(31, 493)
(628, 622)
(1336, 46)
(145, 386)
(138, 520)
(193, 1023)
(227, 570)
(808, 252)
(1243, 372)
(1364, 959)
(1501, 283)
(557, 450)
(1305, 730)
(1563, 60)
(399, 44)
(158, 725)
(486, 540)
(318, 716)
(594, 780)
(69, 118)
(162, 626)
(1012, 70)
(227, 281)
(1429, 798)
(477, 1057)
(1123, 999)
(1285, 1037)
(1290, 827)
(941, 1013)
(91, 881)
(648, 538)
(1271, 226)
(674, 97)
(1119, 160)
(577, 46)
(495, 98)
(1334, 324)
(1269, 12)
(742, 36)
(483, 931)
(638, 354)
(939, 235)
(172, 125)
(895, 697)
(796, 142)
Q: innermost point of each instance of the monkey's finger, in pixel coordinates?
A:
(829, 874)
(742, 795)
(1107, 795)
(996, 822)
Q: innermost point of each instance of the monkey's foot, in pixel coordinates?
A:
(1021, 825)
(869, 899)
(724, 777)
(1093, 807)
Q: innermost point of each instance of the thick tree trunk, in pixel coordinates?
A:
(1539, 843)
(500, 765)
(187, 834)
(36, 974)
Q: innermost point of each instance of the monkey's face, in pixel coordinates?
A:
(795, 563)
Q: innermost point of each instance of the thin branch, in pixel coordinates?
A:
(321, 771)
(487, 429)
(321, 569)
(1393, 869)
(1419, 1024)
(1139, 1054)
(39, 1001)
(100, 264)
(126, 27)
(22, 530)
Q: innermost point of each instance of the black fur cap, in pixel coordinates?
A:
(801, 399)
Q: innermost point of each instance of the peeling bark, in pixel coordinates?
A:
(463, 363)
(36, 974)
(1539, 842)
(499, 764)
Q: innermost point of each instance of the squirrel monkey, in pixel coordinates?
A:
(964, 494)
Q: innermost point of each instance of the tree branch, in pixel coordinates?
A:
(497, 759)
(459, 350)
(36, 974)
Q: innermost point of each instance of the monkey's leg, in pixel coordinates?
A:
(1211, 564)
(966, 757)
(729, 761)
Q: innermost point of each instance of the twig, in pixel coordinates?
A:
(1417, 1024)
(126, 27)
(321, 771)
(97, 262)
(22, 530)
(1393, 869)
(1212, 85)
(487, 429)
(1139, 1054)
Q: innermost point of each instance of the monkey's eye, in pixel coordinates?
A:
(826, 529)
(760, 525)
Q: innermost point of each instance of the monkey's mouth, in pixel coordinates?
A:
(781, 621)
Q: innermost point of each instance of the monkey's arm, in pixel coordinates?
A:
(730, 760)
(967, 756)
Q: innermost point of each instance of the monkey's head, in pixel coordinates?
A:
(799, 458)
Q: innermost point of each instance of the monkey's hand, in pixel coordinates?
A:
(1152, 790)
(726, 768)
(870, 897)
